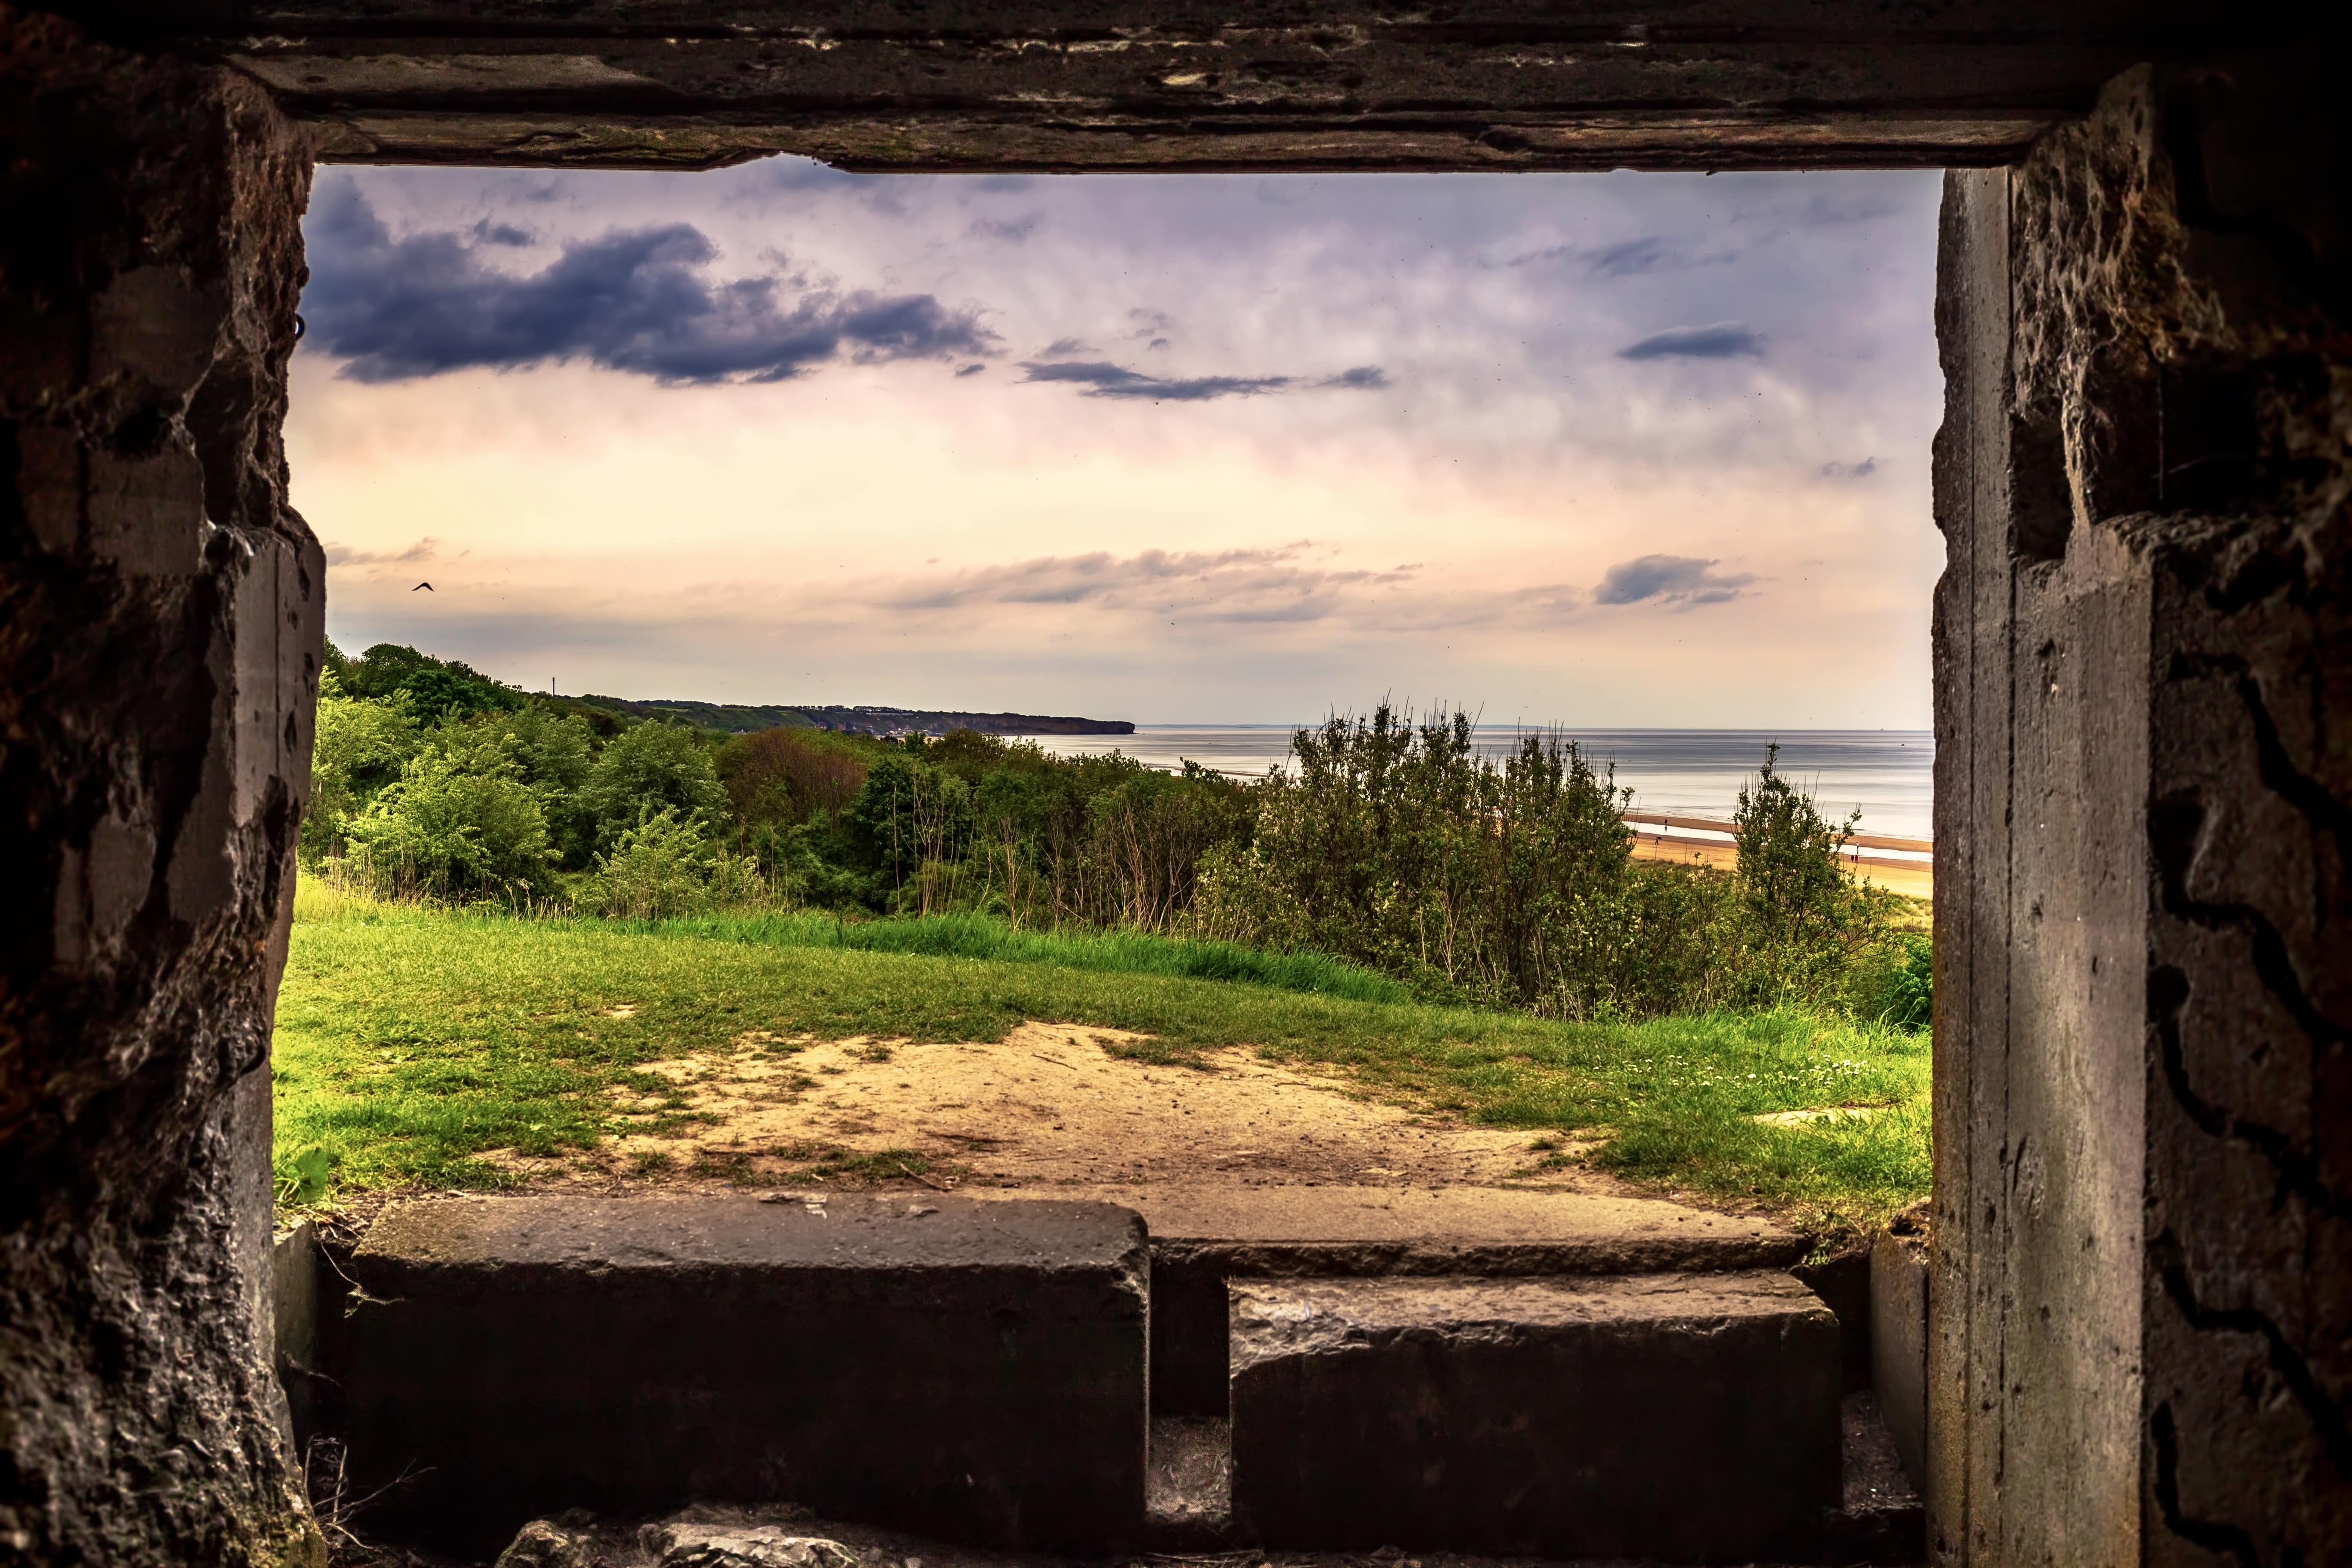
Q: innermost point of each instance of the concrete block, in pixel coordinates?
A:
(1843, 1283)
(1898, 1344)
(971, 1370)
(294, 1301)
(1202, 1238)
(1674, 1416)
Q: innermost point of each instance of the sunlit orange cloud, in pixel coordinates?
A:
(897, 533)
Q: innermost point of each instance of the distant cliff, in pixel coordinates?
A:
(743, 719)
(890, 720)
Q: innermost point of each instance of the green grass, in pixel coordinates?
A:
(411, 1043)
(982, 937)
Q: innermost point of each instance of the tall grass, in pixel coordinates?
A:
(995, 941)
(985, 938)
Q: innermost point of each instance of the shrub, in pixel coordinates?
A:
(1905, 994)
(657, 868)
(648, 768)
(1806, 924)
(912, 824)
(444, 832)
(1399, 847)
(784, 776)
(360, 746)
(433, 686)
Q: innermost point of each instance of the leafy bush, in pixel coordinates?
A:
(433, 686)
(657, 869)
(360, 746)
(785, 776)
(444, 831)
(1806, 923)
(1399, 847)
(647, 769)
(1904, 995)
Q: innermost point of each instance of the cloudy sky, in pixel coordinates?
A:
(1582, 449)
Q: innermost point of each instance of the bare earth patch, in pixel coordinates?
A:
(1049, 1106)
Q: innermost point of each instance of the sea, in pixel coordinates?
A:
(1887, 775)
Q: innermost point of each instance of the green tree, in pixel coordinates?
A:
(362, 744)
(646, 768)
(433, 686)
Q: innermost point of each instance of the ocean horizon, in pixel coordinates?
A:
(1887, 775)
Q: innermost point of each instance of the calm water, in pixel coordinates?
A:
(1889, 774)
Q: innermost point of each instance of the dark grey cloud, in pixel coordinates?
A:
(1633, 258)
(1668, 580)
(1062, 348)
(1860, 470)
(636, 301)
(1102, 379)
(1724, 340)
(969, 369)
(491, 233)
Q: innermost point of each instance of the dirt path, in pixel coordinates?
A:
(1049, 1107)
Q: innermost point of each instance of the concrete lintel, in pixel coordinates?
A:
(1055, 85)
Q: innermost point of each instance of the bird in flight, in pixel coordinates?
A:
(426, 587)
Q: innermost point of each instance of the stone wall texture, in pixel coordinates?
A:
(2142, 1338)
(160, 625)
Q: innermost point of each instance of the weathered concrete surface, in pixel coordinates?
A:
(1203, 1236)
(1842, 1282)
(294, 1317)
(1058, 84)
(971, 1369)
(159, 623)
(1561, 1418)
(2141, 1306)
(1898, 1344)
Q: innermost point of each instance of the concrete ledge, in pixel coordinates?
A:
(1201, 1238)
(974, 1371)
(1674, 1416)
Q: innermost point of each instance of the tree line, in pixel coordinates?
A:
(1389, 843)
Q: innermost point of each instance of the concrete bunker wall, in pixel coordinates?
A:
(2141, 1296)
(159, 650)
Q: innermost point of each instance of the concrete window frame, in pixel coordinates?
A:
(2140, 1345)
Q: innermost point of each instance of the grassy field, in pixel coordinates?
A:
(410, 1043)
